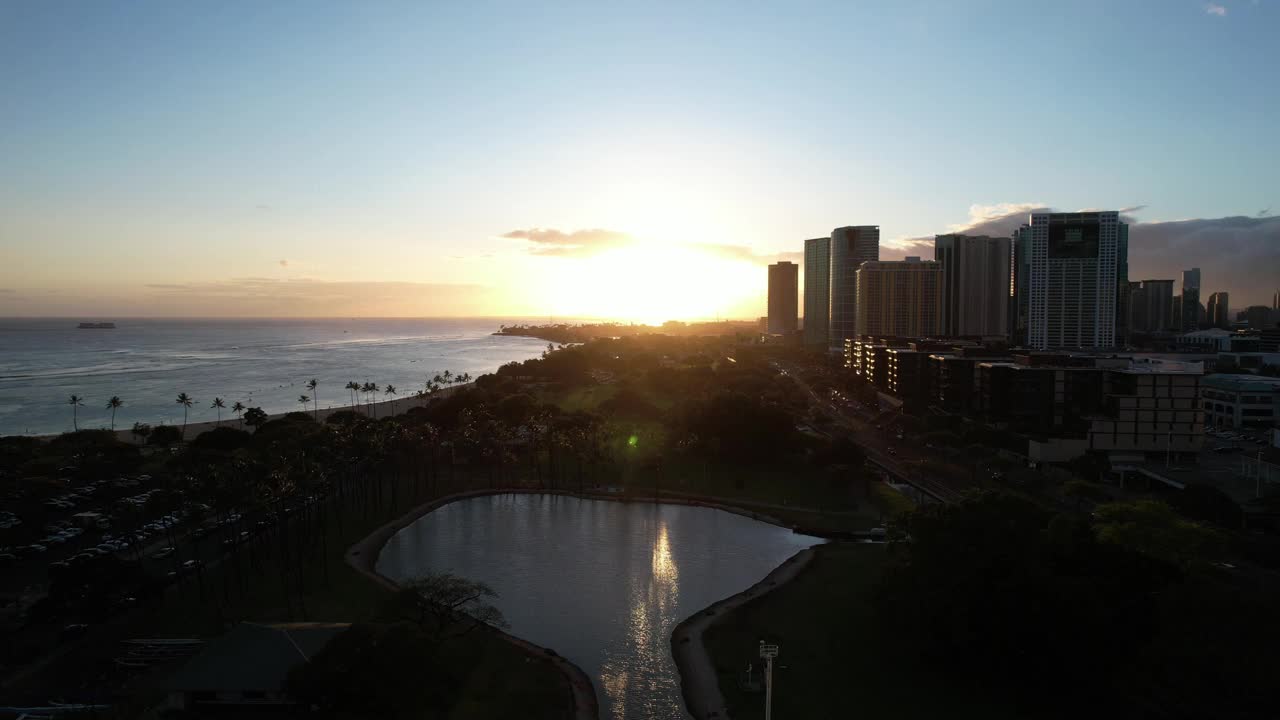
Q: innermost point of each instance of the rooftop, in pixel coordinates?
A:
(1246, 383)
(252, 657)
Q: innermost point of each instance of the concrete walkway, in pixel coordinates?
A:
(698, 679)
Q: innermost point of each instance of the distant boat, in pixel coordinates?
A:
(97, 326)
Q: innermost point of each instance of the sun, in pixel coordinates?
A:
(652, 282)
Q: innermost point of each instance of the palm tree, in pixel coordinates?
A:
(186, 402)
(447, 377)
(304, 399)
(353, 387)
(114, 404)
(75, 401)
(311, 385)
(238, 407)
(218, 405)
(391, 390)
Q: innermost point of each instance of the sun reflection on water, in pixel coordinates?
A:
(640, 667)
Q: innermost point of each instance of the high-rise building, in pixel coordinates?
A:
(1123, 330)
(1137, 315)
(1071, 278)
(1275, 300)
(1190, 300)
(1151, 307)
(1019, 289)
(1219, 311)
(817, 289)
(901, 299)
(1256, 316)
(784, 285)
(850, 247)
(975, 284)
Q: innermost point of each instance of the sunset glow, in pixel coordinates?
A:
(652, 282)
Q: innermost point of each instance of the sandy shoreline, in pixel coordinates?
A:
(380, 409)
(699, 684)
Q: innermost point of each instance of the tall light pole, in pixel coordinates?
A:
(768, 652)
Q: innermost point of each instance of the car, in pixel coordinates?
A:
(190, 564)
(162, 554)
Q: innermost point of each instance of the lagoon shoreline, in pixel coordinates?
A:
(699, 688)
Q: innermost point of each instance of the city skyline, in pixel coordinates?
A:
(243, 160)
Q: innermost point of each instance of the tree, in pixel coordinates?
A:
(1152, 528)
(353, 387)
(304, 399)
(238, 407)
(312, 384)
(114, 404)
(141, 430)
(391, 390)
(186, 402)
(254, 417)
(164, 435)
(218, 405)
(371, 393)
(384, 671)
(447, 606)
(75, 401)
(1207, 504)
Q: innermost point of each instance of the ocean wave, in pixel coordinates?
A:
(93, 371)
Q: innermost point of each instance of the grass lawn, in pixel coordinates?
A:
(583, 398)
(829, 665)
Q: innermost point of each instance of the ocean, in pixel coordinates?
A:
(261, 363)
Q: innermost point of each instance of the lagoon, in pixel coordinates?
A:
(603, 583)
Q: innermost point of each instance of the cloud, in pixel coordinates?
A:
(1237, 254)
(284, 263)
(1215, 9)
(579, 243)
(588, 243)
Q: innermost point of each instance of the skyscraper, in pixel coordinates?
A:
(1152, 307)
(899, 298)
(1191, 300)
(1136, 322)
(1072, 278)
(975, 285)
(817, 289)
(784, 280)
(850, 247)
(1122, 285)
(1219, 310)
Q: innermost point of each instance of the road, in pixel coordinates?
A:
(901, 460)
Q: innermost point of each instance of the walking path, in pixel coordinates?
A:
(698, 679)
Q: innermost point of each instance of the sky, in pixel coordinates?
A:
(636, 161)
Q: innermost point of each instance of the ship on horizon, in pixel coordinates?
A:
(97, 326)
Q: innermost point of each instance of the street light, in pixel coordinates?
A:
(768, 652)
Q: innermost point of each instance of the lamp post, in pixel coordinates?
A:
(768, 652)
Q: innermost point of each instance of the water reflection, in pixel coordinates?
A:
(602, 583)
